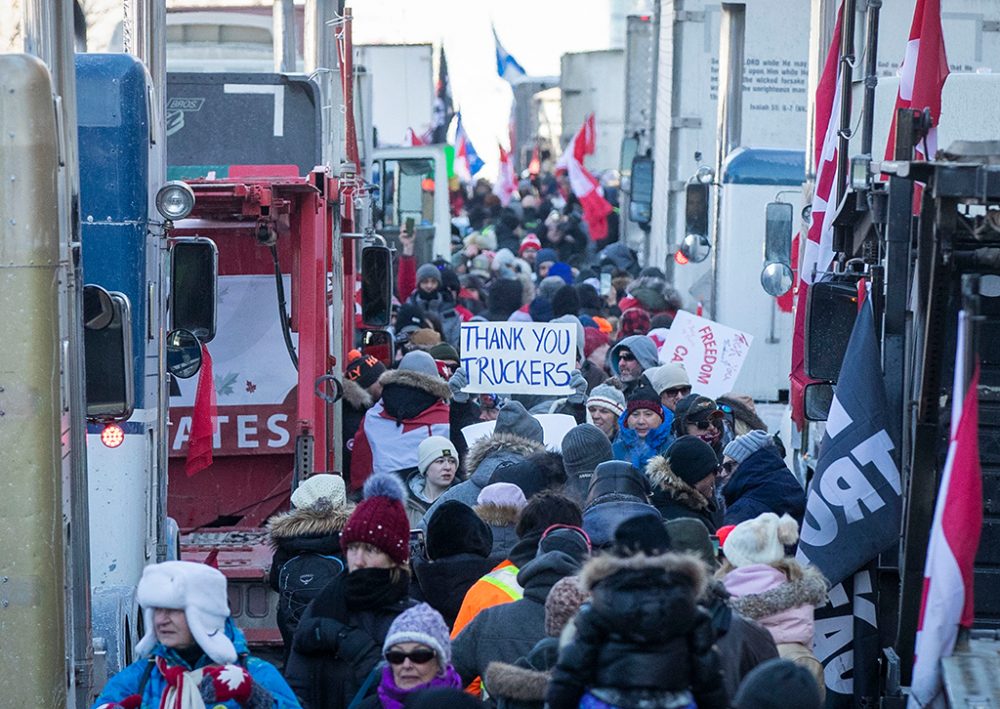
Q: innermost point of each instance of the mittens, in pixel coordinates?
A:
(225, 682)
(579, 385)
(458, 381)
(132, 701)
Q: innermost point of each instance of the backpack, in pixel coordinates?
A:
(301, 579)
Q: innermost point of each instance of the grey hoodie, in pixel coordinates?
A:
(641, 346)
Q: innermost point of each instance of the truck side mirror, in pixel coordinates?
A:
(376, 286)
(194, 274)
(98, 307)
(696, 245)
(109, 369)
(183, 354)
(817, 400)
(776, 276)
(640, 204)
(830, 314)
(379, 344)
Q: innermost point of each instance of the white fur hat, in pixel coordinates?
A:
(197, 589)
(761, 540)
(318, 487)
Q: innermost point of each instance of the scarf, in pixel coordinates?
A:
(183, 686)
(392, 696)
(361, 590)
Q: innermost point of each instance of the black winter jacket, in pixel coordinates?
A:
(742, 643)
(522, 685)
(674, 498)
(444, 582)
(641, 637)
(763, 483)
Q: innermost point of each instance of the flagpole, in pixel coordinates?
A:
(841, 234)
(871, 76)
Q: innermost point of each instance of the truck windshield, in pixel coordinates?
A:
(408, 191)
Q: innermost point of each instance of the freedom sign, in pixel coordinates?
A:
(712, 354)
(518, 358)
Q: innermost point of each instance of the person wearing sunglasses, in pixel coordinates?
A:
(630, 358)
(696, 415)
(417, 654)
(671, 382)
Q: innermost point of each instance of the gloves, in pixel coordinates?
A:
(458, 381)
(579, 385)
(233, 683)
(132, 701)
(317, 635)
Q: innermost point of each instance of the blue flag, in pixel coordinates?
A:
(853, 505)
(508, 67)
(464, 149)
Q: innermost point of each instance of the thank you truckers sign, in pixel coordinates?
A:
(518, 358)
(712, 354)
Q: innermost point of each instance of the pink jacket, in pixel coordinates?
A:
(764, 593)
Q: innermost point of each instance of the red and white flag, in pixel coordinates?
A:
(203, 418)
(506, 184)
(921, 79)
(584, 185)
(947, 601)
(411, 139)
(819, 241)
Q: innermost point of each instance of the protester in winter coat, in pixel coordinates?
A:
(499, 505)
(516, 436)
(338, 645)
(522, 685)
(699, 416)
(192, 647)
(744, 413)
(643, 428)
(417, 652)
(432, 297)
(604, 405)
(537, 472)
(459, 549)
(413, 406)
(437, 465)
(758, 481)
(584, 447)
(630, 358)
(641, 640)
(779, 684)
(742, 643)
(683, 481)
(361, 390)
(618, 491)
(506, 632)
(504, 297)
(311, 528)
(772, 589)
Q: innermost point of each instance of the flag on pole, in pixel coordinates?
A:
(411, 139)
(506, 184)
(508, 67)
(819, 240)
(584, 185)
(467, 160)
(947, 601)
(921, 80)
(853, 512)
(203, 418)
(444, 109)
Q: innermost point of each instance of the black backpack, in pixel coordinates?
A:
(301, 579)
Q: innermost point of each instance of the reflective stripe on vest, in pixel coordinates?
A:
(506, 580)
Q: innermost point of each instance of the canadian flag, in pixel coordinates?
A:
(411, 139)
(947, 601)
(506, 184)
(819, 241)
(921, 80)
(203, 418)
(584, 185)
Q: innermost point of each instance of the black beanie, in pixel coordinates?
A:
(642, 533)
(456, 529)
(565, 302)
(778, 684)
(644, 397)
(691, 459)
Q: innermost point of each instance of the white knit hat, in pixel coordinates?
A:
(198, 590)
(761, 540)
(607, 397)
(320, 487)
(667, 376)
(432, 448)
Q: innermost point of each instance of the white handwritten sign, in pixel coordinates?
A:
(554, 429)
(711, 353)
(518, 358)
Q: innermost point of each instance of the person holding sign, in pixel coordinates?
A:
(644, 428)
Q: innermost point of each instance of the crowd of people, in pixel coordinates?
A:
(645, 559)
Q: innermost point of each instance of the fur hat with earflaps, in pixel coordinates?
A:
(761, 540)
(198, 590)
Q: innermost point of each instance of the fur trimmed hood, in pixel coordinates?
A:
(517, 683)
(307, 522)
(805, 587)
(435, 386)
(606, 565)
(508, 444)
(497, 515)
(356, 396)
(661, 477)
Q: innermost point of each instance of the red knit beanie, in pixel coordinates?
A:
(592, 339)
(380, 518)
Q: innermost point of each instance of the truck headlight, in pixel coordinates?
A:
(175, 200)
